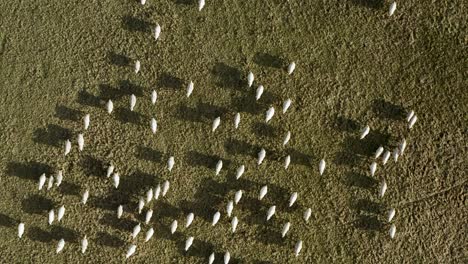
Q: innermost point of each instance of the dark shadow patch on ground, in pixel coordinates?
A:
(207, 200)
(354, 149)
(69, 235)
(135, 24)
(239, 147)
(363, 205)
(373, 4)
(124, 115)
(37, 234)
(66, 113)
(91, 166)
(300, 158)
(268, 60)
(202, 112)
(345, 124)
(370, 223)
(122, 224)
(199, 248)
(108, 240)
(228, 77)
(69, 188)
(36, 204)
(148, 154)
(7, 221)
(195, 158)
(118, 59)
(385, 109)
(30, 170)
(247, 103)
(261, 129)
(125, 88)
(86, 98)
(167, 80)
(267, 235)
(52, 135)
(184, 2)
(359, 180)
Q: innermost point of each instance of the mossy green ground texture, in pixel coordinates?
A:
(356, 66)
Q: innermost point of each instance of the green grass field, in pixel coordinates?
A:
(356, 66)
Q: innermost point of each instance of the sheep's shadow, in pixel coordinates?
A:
(195, 158)
(228, 77)
(373, 4)
(86, 98)
(385, 109)
(37, 204)
(52, 135)
(167, 80)
(148, 154)
(202, 112)
(30, 170)
(136, 24)
(118, 59)
(269, 60)
(66, 113)
(7, 221)
(108, 240)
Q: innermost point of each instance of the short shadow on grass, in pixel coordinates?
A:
(118, 59)
(228, 77)
(346, 158)
(122, 224)
(88, 99)
(36, 204)
(148, 154)
(52, 135)
(385, 109)
(30, 170)
(363, 205)
(7, 221)
(66, 113)
(369, 223)
(108, 240)
(195, 158)
(91, 166)
(37, 234)
(124, 115)
(247, 103)
(359, 180)
(373, 4)
(167, 80)
(135, 24)
(202, 112)
(268, 60)
(345, 124)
